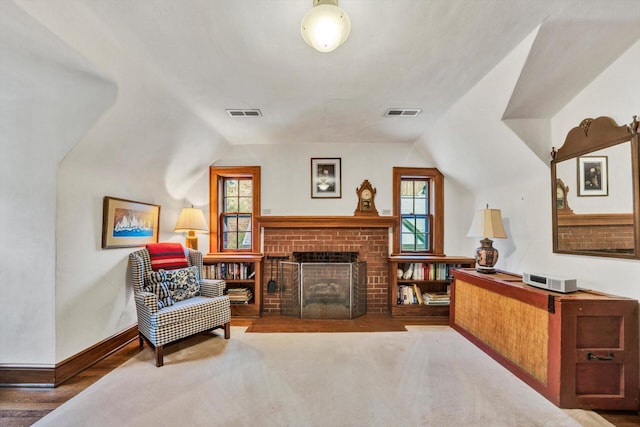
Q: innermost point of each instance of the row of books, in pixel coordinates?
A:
(411, 294)
(229, 271)
(436, 298)
(239, 295)
(426, 271)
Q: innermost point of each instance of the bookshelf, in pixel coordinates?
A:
(422, 288)
(242, 274)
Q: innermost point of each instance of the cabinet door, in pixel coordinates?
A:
(602, 361)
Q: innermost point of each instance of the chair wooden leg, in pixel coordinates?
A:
(159, 356)
(227, 330)
(141, 341)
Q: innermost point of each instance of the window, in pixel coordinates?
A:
(235, 204)
(418, 195)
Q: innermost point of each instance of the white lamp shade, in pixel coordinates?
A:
(487, 223)
(191, 219)
(325, 26)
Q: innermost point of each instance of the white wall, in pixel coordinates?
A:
(614, 94)
(61, 156)
(49, 97)
(68, 141)
(286, 175)
(472, 145)
(507, 177)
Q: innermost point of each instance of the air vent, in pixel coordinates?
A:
(244, 113)
(402, 112)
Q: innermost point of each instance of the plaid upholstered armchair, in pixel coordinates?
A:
(172, 300)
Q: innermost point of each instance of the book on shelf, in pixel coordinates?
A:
(436, 298)
(239, 295)
(407, 295)
(408, 271)
(229, 271)
(427, 271)
(416, 291)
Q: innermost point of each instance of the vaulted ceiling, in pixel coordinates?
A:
(212, 55)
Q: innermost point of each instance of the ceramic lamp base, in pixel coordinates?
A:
(486, 257)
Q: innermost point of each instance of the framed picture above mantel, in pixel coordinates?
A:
(326, 178)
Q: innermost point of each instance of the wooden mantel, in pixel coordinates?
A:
(327, 221)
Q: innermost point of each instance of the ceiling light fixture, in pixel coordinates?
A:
(325, 26)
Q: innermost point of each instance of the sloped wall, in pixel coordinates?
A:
(50, 97)
(500, 170)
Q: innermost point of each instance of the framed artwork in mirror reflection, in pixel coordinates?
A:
(593, 176)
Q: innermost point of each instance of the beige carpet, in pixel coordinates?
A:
(427, 376)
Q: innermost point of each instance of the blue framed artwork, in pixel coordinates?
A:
(126, 223)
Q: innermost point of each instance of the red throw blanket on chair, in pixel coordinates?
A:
(167, 256)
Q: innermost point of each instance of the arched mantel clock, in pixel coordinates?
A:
(366, 203)
(562, 204)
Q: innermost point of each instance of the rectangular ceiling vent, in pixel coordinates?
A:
(402, 112)
(245, 113)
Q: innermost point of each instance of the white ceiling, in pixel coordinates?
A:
(219, 54)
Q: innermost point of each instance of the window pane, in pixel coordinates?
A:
(237, 231)
(244, 240)
(244, 232)
(420, 188)
(230, 223)
(230, 240)
(420, 207)
(246, 204)
(417, 197)
(422, 243)
(408, 242)
(406, 206)
(414, 208)
(231, 205)
(234, 201)
(246, 188)
(230, 187)
(406, 188)
(408, 225)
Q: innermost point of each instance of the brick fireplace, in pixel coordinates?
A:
(368, 237)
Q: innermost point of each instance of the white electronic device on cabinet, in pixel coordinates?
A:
(555, 284)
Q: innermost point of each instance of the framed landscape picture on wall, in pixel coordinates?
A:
(126, 223)
(326, 178)
(593, 178)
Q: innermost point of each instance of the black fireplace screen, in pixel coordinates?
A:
(325, 289)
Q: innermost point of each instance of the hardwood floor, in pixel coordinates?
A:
(22, 406)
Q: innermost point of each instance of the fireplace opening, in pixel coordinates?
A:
(324, 285)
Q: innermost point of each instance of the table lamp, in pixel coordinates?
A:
(487, 223)
(191, 221)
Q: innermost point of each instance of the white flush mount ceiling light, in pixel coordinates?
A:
(325, 26)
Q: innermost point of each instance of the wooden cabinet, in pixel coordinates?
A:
(579, 350)
(242, 274)
(418, 275)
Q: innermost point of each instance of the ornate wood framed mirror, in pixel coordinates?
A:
(599, 159)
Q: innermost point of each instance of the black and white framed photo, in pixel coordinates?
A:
(593, 177)
(326, 178)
